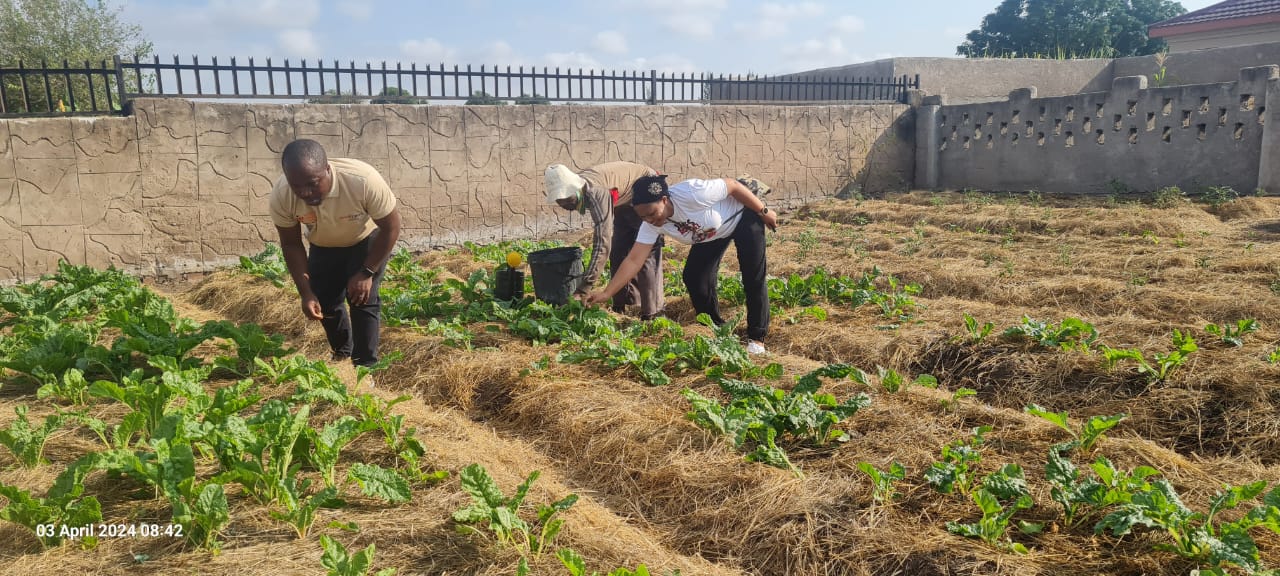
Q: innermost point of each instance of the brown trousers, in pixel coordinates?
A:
(646, 288)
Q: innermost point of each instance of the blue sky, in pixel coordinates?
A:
(718, 36)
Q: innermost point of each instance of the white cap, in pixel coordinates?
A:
(562, 183)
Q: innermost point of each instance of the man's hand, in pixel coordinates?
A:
(770, 219)
(358, 288)
(595, 298)
(311, 308)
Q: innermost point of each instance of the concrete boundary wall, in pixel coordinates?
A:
(1133, 137)
(182, 186)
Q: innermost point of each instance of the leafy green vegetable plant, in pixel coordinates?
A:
(578, 567)
(1088, 435)
(1196, 536)
(976, 333)
(25, 441)
(1071, 334)
(882, 480)
(341, 563)
(757, 416)
(1164, 362)
(491, 509)
(954, 473)
(64, 505)
(1233, 335)
(267, 264)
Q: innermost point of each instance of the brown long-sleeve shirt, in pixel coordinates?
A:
(608, 188)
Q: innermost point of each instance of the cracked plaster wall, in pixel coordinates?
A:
(182, 186)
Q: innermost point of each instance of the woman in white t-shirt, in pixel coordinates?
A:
(709, 214)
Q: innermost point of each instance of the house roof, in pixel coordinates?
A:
(1223, 15)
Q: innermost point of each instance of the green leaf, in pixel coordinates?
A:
(379, 482)
(1057, 418)
(572, 561)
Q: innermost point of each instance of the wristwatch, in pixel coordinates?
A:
(367, 270)
(764, 210)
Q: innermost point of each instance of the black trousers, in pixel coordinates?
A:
(646, 288)
(702, 269)
(354, 335)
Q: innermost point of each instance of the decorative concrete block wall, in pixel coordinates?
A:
(182, 186)
(1134, 137)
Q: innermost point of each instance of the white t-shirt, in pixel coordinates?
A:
(704, 211)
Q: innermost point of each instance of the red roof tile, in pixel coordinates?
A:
(1229, 10)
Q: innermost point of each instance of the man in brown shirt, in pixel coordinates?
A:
(604, 190)
(351, 222)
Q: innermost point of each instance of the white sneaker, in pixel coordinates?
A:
(755, 347)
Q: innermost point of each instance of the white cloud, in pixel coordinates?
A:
(428, 50)
(500, 53)
(774, 11)
(691, 19)
(773, 18)
(818, 53)
(686, 5)
(761, 29)
(298, 42)
(610, 42)
(699, 28)
(572, 60)
(265, 13)
(356, 9)
(668, 63)
(848, 25)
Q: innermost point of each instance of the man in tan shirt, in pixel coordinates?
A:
(604, 190)
(351, 222)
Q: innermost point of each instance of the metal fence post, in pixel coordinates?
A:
(115, 60)
(653, 87)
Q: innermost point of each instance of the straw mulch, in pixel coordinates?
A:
(657, 489)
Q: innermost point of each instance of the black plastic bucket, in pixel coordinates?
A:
(557, 273)
(508, 284)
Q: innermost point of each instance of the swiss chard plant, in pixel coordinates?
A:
(25, 441)
(153, 397)
(577, 566)
(1233, 335)
(882, 489)
(1071, 334)
(339, 562)
(1162, 364)
(499, 514)
(1088, 435)
(976, 333)
(1198, 536)
(954, 474)
(1082, 496)
(64, 505)
(758, 416)
(382, 483)
(1006, 485)
(267, 264)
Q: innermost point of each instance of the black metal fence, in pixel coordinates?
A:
(46, 90)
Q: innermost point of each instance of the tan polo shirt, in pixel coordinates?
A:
(616, 176)
(358, 197)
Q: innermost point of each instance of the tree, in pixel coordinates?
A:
(332, 96)
(35, 31)
(1069, 29)
(393, 95)
(535, 99)
(482, 98)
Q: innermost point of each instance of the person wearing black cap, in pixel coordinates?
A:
(708, 214)
(604, 192)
